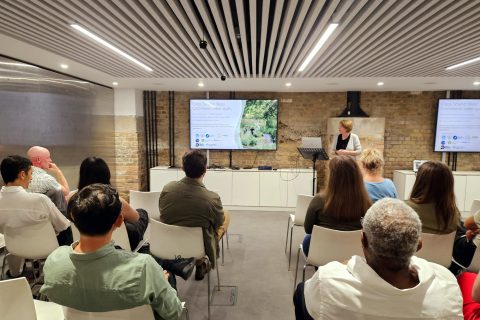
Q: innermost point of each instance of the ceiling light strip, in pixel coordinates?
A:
(110, 46)
(461, 64)
(318, 46)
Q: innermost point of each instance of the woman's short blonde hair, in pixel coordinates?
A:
(347, 124)
(372, 160)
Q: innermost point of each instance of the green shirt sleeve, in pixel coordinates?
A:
(163, 298)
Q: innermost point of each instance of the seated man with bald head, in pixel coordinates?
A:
(389, 283)
(46, 175)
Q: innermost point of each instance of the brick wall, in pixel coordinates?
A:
(129, 154)
(409, 127)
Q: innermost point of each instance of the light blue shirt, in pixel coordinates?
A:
(380, 190)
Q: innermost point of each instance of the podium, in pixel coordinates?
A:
(313, 154)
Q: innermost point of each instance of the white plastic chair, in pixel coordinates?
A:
(147, 201)
(120, 236)
(437, 248)
(2, 251)
(328, 245)
(144, 312)
(32, 242)
(475, 206)
(297, 220)
(475, 264)
(169, 242)
(17, 303)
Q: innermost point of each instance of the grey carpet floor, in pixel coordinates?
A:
(257, 265)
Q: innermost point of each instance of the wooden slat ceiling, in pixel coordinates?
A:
(255, 38)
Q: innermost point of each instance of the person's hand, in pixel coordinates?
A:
(341, 152)
(53, 168)
(165, 275)
(471, 233)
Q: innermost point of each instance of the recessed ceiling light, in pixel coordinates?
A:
(430, 82)
(17, 64)
(461, 64)
(333, 83)
(200, 84)
(476, 83)
(288, 84)
(380, 84)
(110, 46)
(115, 83)
(64, 66)
(318, 46)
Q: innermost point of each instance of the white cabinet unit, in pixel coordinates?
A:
(466, 186)
(245, 189)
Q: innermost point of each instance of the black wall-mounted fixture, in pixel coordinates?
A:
(353, 108)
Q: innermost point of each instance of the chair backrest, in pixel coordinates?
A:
(169, 241)
(34, 241)
(475, 206)
(475, 264)
(147, 201)
(144, 312)
(120, 236)
(16, 300)
(328, 245)
(303, 201)
(437, 248)
(2, 241)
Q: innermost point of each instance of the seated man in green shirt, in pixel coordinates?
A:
(91, 275)
(189, 203)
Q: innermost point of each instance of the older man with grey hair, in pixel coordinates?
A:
(389, 282)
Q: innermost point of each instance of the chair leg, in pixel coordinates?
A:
(296, 269)
(290, 252)
(186, 314)
(223, 254)
(226, 234)
(303, 276)
(218, 278)
(2, 275)
(286, 237)
(208, 293)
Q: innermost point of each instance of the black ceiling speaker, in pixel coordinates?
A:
(203, 44)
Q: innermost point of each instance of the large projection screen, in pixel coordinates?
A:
(458, 125)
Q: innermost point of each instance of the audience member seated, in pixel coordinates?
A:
(389, 283)
(95, 170)
(188, 203)
(91, 275)
(470, 242)
(42, 181)
(342, 204)
(20, 208)
(377, 186)
(433, 198)
(470, 286)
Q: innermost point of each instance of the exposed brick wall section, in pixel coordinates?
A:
(409, 127)
(129, 154)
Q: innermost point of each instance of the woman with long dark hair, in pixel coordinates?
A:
(342, 204)
(433, 198)
(95, 170)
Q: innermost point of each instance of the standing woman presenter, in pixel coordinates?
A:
(346, 143)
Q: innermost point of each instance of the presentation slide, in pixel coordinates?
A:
(458, 125)
(233, 124)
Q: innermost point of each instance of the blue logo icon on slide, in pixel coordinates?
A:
(443, 142)
(197, 144)
(197, 135)
(207, 135)
(197, 140)
(455, 137)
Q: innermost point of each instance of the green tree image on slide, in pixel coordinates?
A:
(258, 128)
